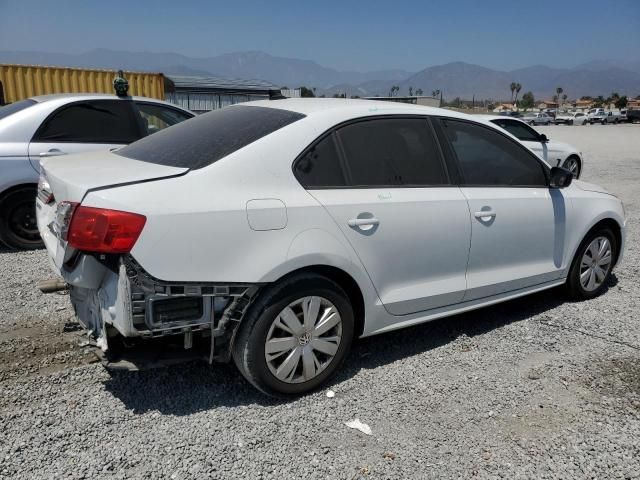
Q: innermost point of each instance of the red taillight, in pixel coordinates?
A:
(105, 231)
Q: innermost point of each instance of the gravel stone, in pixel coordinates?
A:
(538, 387)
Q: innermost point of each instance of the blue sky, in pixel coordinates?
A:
(365, 35)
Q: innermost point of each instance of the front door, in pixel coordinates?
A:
(517, 222)
(408, 225)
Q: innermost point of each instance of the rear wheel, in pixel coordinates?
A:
(295, 336)
(592, 265)
(18, 225)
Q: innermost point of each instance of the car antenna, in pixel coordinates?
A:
(121, 84)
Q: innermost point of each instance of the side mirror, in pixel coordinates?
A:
(543, 138)
(560, 177)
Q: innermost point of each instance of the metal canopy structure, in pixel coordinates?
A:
(205, 93)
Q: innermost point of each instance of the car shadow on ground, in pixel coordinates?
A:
(193, 387)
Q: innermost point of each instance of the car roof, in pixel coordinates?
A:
(354, 107)
(61, 97)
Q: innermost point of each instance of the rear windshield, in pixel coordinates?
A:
(203, 140)
(15, 107)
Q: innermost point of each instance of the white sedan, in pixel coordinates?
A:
(554, 153)
(571, 118)
(276, 232)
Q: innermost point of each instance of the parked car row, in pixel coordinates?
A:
(278, 231)
(55, 125)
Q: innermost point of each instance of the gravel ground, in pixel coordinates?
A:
(534, 388)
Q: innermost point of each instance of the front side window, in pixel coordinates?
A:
(520, 130)
(391, 152)
(158, 117)
(488, 158)
(96, 121)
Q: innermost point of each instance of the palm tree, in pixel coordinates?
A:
(418, 91)
(559, 92)
(435, 93)
(517, 89)
(512, 87)
(410, 91)
(393, 90)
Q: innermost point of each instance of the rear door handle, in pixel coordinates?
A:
(485, 214)
(363, 222)
(53, 152)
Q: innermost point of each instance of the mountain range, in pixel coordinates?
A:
(456, 79)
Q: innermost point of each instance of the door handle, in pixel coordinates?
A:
(53, 152)
(485, 214)
(363, 222)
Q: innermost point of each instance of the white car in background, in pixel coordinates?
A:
(554, 153)
(571, 118)
(54, 125)
(533, 118)
(276, 232)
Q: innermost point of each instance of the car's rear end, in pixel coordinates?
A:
(100, 213)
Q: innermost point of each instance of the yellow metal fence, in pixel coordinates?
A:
(23, 81)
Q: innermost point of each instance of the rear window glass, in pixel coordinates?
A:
(205, 139)
(15, 107)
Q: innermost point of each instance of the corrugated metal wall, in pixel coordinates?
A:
(204, 102)
(23, 81)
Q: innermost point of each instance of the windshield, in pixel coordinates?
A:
(15, 107)
(203, 140)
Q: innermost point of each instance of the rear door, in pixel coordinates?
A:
(518, 223)
(385, 184)
(85, 126)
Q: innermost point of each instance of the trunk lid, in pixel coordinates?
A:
(72, 176)
(69, 178)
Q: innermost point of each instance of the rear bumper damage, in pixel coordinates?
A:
(119, 303)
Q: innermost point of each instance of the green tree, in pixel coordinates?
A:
(517, 89)
(394, 89)
(418, 91)
(559, 91)
(599, 101)
(621, 102)
(512, 87)
(306, 92)
(528, 101)
(435, 93)
(411, 91)
(586, 97)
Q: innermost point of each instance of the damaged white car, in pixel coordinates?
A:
(276, 232)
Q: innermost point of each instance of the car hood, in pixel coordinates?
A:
(590, 187)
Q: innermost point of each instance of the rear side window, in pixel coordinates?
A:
(205, 139)
(488, 158)
(158, 117)
(320, 166)
(15, 107)
(391, 152)
(96, 121)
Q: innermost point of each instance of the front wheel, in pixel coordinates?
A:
(592, 265)
(18, 225)
(573, 165)
(295, 336)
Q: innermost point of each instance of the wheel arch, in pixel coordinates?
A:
(15, 188)
(346, 281)
(615, 227)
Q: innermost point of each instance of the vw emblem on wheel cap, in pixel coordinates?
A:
(304, 339)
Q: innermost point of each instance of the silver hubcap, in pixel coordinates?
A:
(303, 339)
(595, 264)
(572, 166)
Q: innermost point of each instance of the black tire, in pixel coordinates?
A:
(18, 227)
(573, 157)
(249, 347)
(573, 285)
